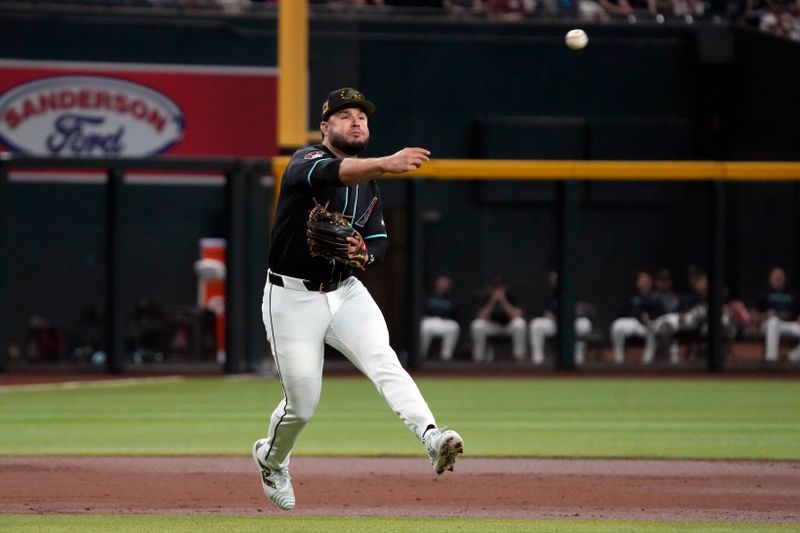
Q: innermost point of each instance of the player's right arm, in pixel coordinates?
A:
(354, 170)
(508, 306)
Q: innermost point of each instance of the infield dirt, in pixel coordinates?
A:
(766, 492)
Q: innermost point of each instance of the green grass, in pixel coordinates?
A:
(670, 418)
(244, 524)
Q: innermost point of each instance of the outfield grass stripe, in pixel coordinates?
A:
(692, 419)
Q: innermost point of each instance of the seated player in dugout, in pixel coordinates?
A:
(636, 320)
(777, 311)
(545, 326)
(497, 315)
(311, 300)
(439, 319)
(691, 316)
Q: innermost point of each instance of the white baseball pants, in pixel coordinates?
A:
(448, 329)
(482, 329)
(543, 327)
(773, 328)
(299, 323)
(625, 327)
(671, 320)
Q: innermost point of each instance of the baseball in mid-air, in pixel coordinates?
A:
(576, 39)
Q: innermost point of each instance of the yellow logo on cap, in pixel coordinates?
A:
(350, 94)
(325, 107)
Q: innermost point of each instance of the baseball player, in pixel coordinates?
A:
(439, 319)
(691, 315)
(310, 301)
(546, 325)
(642, 309)
(498, 315)
(778, 310)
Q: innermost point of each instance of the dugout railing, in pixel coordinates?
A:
(242, 175)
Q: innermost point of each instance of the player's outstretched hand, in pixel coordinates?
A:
(406, 160)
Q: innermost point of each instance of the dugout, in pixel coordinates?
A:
(474, 89)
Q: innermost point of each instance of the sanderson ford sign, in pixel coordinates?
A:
(74, 116)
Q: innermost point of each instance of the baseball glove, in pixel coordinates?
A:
(327, 237)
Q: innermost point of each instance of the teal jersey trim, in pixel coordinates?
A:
(308, 179)
(355, 204)
(346, 196)
(375, 236)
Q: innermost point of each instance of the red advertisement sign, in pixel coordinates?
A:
(70, 109)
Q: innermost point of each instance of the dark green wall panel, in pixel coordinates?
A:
(463, 90)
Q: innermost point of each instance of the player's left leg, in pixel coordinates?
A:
(621, 329)
(516, 330)
(480, 329)
(359, 331)
(583, 326)
(428, 329)
(664, 329)
(540, 328)
(772, 337)
(450, 332)
(791, 329)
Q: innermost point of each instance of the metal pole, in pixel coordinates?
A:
(567, 235)
(5, 314)
(256, 246)
(235, 279)
(415, 272)
(115, 313)
(716, 296)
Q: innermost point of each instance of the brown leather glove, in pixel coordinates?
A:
(328, 236)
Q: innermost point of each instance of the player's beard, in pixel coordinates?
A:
(351, 148)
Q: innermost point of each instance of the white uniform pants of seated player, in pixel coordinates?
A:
(482, 329)
(673, 323)
(625, 327)
(773, 329)
(299, 323)
(544, 327)
(448, 329)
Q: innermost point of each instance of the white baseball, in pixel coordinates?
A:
(576, 39)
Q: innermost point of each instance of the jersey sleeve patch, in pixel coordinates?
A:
(314, 155)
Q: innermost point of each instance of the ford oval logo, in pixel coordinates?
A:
(88, 116)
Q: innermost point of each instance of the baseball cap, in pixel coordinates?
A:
(345, 97)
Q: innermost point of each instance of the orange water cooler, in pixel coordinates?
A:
(210, 270)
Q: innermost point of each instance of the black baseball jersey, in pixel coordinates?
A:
(582, 309)
(667, 302)
(641, 306)
(690, 300)
(784, 303)
(498, 314)
(440, 305)
(313, 173)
